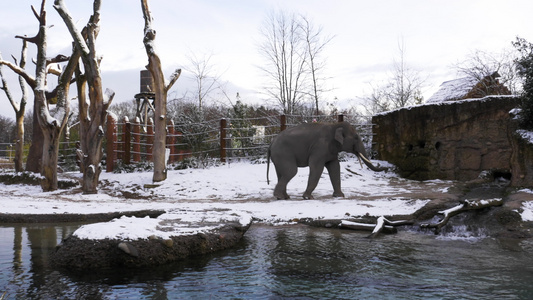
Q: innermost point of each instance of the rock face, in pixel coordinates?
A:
(455, 140)
(85, 254)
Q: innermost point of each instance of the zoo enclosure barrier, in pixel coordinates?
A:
(189, 144)
(225, 140)
(67, 160)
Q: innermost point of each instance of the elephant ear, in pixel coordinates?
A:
(338, 135)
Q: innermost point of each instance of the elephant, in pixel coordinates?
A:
(315, 145)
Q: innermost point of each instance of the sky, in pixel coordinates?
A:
(366, 34)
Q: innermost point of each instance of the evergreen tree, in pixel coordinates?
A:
(525, 70)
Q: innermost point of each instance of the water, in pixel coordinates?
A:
(285, 262)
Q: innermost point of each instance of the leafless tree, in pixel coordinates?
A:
(19, 108)
(51, 121)
(481, 64)
(92, 111)
(285, 53)
(403, 88)
(293, 47)
(205, 76)
(160, 90)
(315, 42)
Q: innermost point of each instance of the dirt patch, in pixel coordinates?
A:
(83, 254)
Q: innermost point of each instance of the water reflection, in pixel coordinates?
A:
(283, 262)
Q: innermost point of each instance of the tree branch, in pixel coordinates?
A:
(465, 206)
(173, 79)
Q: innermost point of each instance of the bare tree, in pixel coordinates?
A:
(315, 43)
(207, 80)
(285, 52)
(51, 121)
(403, 88)
(92, 112)
(160, 90)
(481, 64)
(293, 47)
(19, 108)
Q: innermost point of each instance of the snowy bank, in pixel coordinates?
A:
(199, 200)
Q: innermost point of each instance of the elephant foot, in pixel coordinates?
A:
(307, 197)
(282, 197)
(338, 194)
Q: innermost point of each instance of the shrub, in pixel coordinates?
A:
(525, 70)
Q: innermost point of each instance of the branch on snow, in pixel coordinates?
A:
(465, 206)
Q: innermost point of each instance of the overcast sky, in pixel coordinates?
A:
(435, 34)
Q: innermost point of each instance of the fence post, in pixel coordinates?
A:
(127, 141)
(283, 123)
(171, 141)
(137, 140)
(340, 118)
(149, 138)
(111, 146)
(223, 124)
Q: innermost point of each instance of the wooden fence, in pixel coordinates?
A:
(224, 140)
(230, 139)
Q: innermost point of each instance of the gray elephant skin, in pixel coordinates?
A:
(314, 145)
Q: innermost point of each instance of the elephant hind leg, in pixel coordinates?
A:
(284, 176)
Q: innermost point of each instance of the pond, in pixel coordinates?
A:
(285, 262)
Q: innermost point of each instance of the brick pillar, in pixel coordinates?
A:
(149, 139)
(283, 123)
(111, 140)
(171, 141)
(127, 141)
(137, 140)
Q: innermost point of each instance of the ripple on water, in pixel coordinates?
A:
(291, 262)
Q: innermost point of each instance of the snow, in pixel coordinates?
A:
(453, 90)
(526, 135)
(527, 213)
(199, 200)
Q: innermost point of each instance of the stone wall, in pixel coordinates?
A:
(453, 140)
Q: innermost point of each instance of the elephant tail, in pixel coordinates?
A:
(268, 164)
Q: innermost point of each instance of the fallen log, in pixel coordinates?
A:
(383, 225)
(466, 205)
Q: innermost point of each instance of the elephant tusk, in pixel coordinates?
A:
(359, 158)
(364, 158)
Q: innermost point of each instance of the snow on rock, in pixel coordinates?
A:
(527, 213)
(526, 135)
(165, 226)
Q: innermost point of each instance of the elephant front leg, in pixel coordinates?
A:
(315, 171)
(334, 170)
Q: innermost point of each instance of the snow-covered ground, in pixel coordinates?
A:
(195, 199)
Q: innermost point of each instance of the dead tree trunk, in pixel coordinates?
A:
(33, 161)
(51, 124)
(19, 108)
(93, 114)
(160, 90)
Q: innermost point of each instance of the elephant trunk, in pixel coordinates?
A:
(369, 164)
